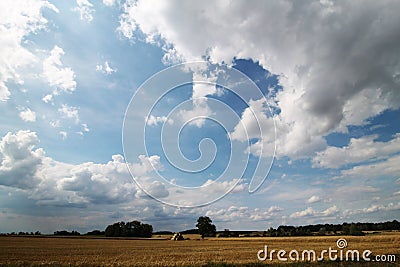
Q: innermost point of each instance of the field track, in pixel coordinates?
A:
(83, 251)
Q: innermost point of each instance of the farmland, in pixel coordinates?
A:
(158, 251)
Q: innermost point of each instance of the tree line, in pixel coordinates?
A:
(206, 229)
(332, 229)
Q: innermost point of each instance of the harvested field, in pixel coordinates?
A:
(83, 251)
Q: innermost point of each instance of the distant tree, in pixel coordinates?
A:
(95, 232)
(66, 233)
(146, 230)
(205, 226)
(271, 232)
(129, 229)
(354, 230)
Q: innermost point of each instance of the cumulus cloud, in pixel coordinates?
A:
(62, 78)
(208, 191)
(388, 167)
(313, 199)
(338, 62)
(255, 124)
(218, 186)
(310, 212)
(28, 115)
(99, 183)
(105, 68)
(374, 208)
(155, 120)
(85, 9)
(359, 150)
(47, 98)
(18, 20)
(171, 56)
(20, 159)
(234, 213)
(70, 112)
(146, 165)
(110, 2)
(254, 127)
(50, 182)
(4, 92)
(203, 85)
(197, 115)
(85, 127)
(158, 190)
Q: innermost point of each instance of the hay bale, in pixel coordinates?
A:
(177, 236)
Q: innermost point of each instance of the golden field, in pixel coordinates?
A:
(84, 251)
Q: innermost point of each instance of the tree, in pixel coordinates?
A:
(66, 233)
(205, 226)
(129, 229)
(354, 230)
(95, 232)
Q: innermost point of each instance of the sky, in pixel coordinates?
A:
(254, 113)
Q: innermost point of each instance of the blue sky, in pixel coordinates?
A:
(329, 73)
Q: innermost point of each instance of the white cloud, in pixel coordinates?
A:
(158, 190)
(105, 68)
(154, 120)
(359, 150)
(197, 115)
(360, 107)
(330, 211)
(63, 134)
(47, 98)
(4, 92)
(313, 199)
(62, 78)
(85, 9)
(171, 56)
(374, 208)
(310, 212)
(18, 20)
(70, 112)
(255, 124)
(50, 182)
(304, 213)
(85, 127)
(20, 159)
(234, 213)
(337, 61)
(28, 115)
(146, 165)
(110, 2)
(99, 183)
(55, 123)
(210, 190)
(218, 186)
(203, 85)
(388, 167)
